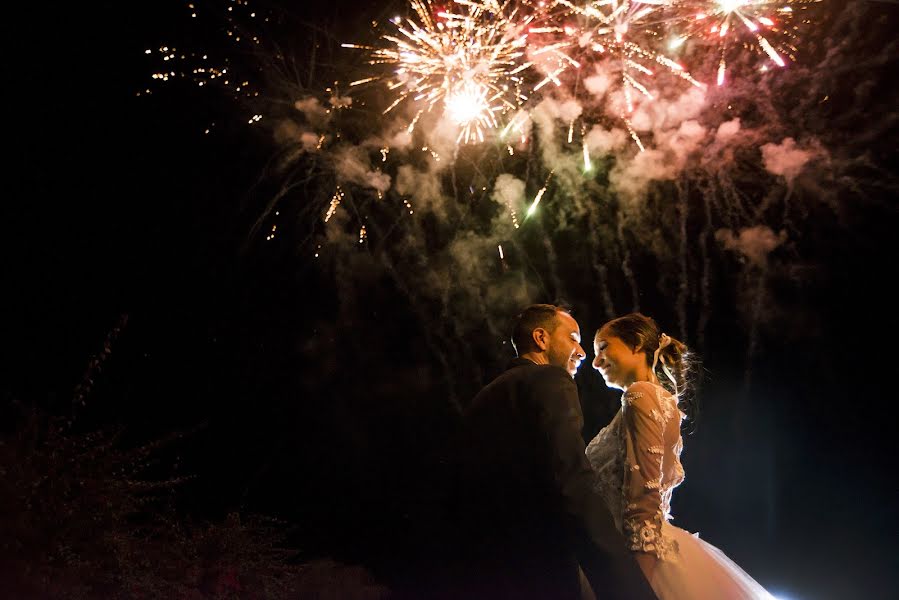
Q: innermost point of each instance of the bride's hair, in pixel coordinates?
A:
(639, 331)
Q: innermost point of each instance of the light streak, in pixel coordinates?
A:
(536, 201)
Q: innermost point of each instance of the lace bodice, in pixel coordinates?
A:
(636, 460)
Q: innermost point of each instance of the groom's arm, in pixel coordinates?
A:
(599, 546)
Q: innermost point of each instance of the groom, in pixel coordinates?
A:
(529, 502)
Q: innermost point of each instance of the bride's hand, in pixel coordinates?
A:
(647, 563)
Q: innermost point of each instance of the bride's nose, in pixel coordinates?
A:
(598, 361)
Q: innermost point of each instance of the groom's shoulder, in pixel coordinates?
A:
(523, 385)
(524, 372)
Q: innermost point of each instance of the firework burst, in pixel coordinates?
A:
(617, 33)
(766, 27)
(466, 60)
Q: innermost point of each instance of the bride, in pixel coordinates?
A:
(636, 459)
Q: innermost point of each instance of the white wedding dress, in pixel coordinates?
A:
(636, 459)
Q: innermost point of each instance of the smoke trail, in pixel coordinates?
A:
(739, 170)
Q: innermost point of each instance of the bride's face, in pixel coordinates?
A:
(618, 363)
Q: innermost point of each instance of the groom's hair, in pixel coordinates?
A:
(531, 318)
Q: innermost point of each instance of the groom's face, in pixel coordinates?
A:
(564, 347)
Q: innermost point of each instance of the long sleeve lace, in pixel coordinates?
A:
(648, 421)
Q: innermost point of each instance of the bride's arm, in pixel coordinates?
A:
(644, 421)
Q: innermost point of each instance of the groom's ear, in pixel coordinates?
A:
(541, 338)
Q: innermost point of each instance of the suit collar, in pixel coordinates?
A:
(519, 362)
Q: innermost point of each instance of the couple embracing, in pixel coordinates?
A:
(546, 517)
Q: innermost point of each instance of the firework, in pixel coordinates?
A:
(466, 60)
(335, 202)
(539, 195)
(479, 59)
(536, 201)
(763, 26)
(619, 34)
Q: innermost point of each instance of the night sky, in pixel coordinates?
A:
(323, 390)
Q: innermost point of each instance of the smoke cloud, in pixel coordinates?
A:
(785, 159)
(619, 226)
(353, 165)
(754, 243)
(316, 114)
(509, 191)
(727, 130)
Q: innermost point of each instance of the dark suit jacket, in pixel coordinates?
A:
(527, 503)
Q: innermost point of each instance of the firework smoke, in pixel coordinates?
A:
(727, 171)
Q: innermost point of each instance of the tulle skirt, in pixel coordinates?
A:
(700, 571)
